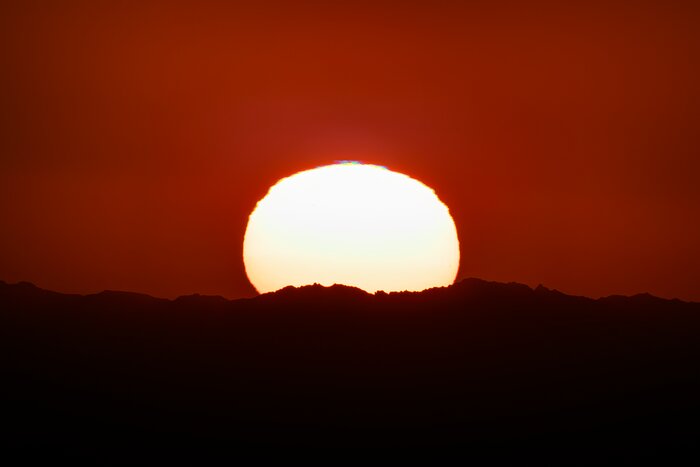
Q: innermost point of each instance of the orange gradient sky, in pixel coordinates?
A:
(137, 138)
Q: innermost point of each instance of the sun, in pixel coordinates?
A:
(353, 224)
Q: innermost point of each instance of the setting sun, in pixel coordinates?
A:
(352, 224)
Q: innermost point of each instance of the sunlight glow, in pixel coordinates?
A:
(352, 224)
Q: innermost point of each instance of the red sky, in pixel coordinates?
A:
(137, 138)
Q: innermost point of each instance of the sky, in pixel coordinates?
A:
(137, 137)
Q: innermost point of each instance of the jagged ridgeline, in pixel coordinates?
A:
(472, 365)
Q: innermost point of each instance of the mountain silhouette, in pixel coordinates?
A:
(477, 366)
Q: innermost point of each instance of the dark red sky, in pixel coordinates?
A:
(136, 138)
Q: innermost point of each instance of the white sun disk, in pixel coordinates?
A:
(352, 224)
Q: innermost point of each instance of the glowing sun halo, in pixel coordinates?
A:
(353, 224)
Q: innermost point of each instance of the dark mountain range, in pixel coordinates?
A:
(478, 366)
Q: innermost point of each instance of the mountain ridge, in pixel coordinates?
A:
(475, 284)
(478, 365)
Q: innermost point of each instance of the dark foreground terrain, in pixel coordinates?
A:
(477, 367)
